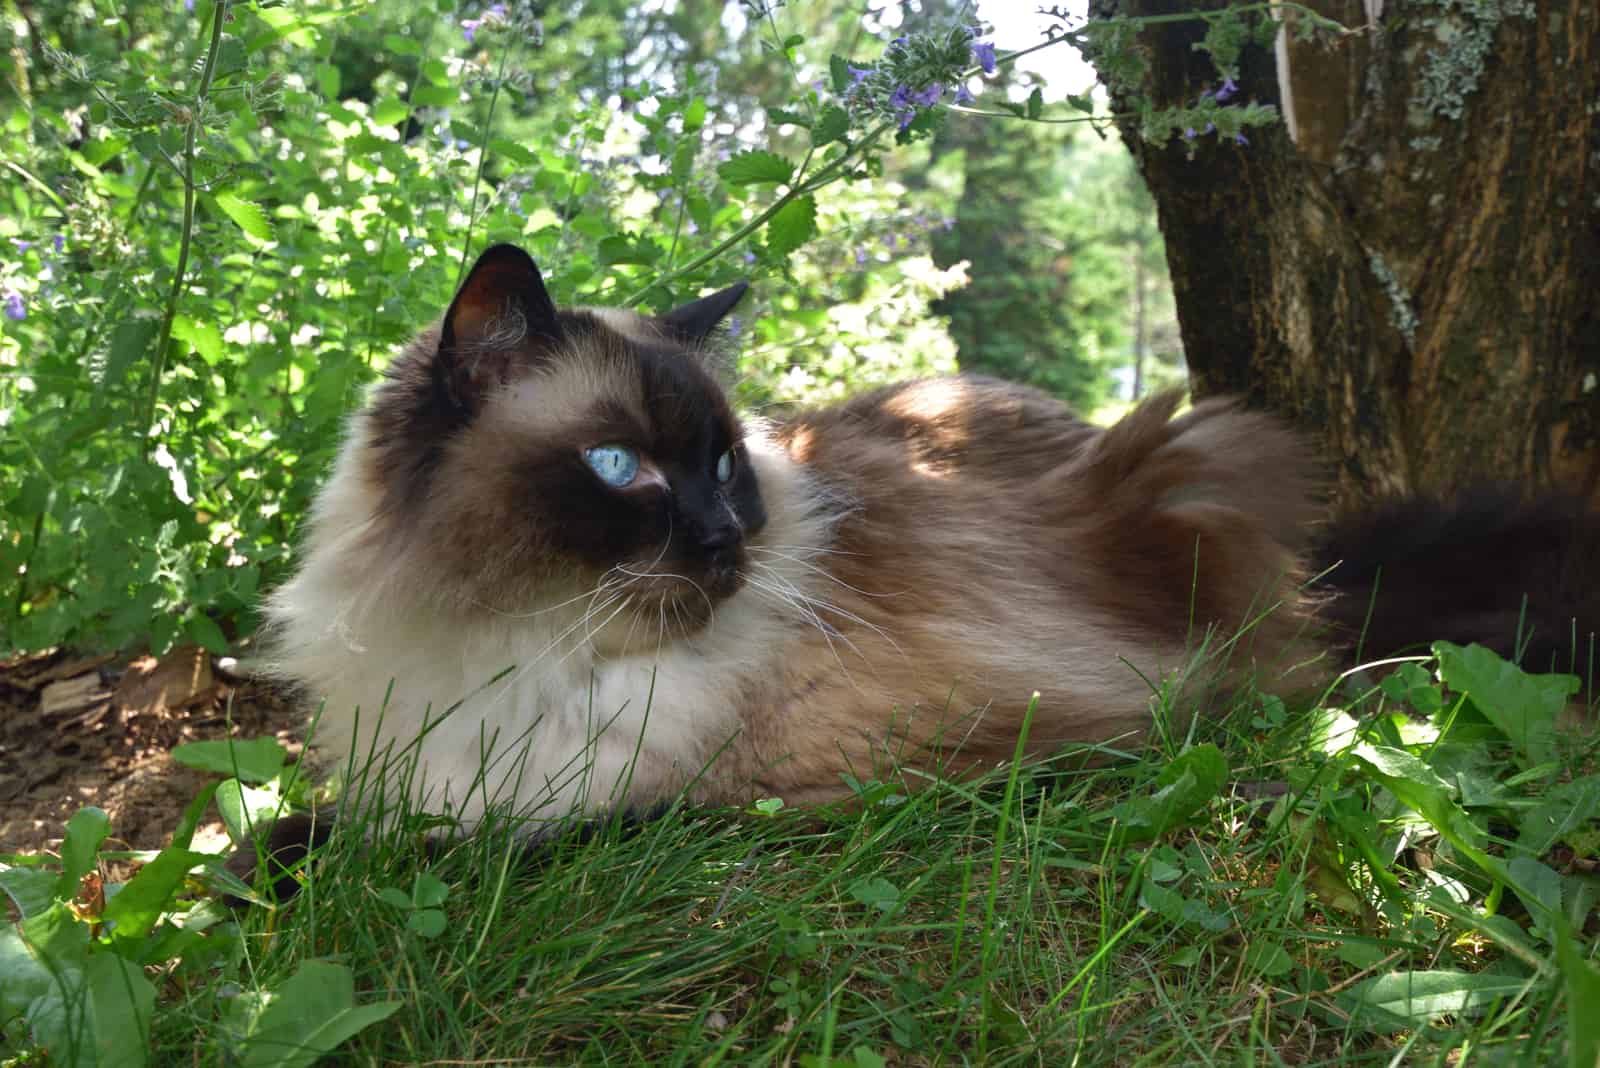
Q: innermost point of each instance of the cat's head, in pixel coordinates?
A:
(526, 452)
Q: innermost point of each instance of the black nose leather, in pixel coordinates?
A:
(718, 537)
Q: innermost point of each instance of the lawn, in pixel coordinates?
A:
(1396, 876)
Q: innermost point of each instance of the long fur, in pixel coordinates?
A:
(932, 554)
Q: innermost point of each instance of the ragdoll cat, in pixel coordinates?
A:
(550, 541)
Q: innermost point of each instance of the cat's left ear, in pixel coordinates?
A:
(693, 322)
(502, 316)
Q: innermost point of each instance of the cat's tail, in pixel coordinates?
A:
(1196, 523)
(1519, 576)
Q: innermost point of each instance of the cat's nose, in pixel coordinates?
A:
(718, 536)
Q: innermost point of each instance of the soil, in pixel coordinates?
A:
(81, 729)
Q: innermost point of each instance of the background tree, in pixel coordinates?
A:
(1413, 270)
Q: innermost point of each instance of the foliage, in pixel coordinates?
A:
(79, 960)
(1395, 877)
(222, 223)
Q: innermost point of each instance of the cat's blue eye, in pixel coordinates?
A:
(617, 465)
(725, 466)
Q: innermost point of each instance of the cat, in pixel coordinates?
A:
(555, 566)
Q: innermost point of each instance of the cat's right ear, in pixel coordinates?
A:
(502, 316)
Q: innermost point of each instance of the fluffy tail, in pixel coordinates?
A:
(1520, 577)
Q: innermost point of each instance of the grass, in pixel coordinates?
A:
(1255, 892)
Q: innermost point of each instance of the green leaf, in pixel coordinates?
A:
(434, 96)
(1582, 980)
(436, 71)
(134, 910)
(1564, 812)
(683, 162)
(251, 759)
(27, 979)
(244, 808)
(780, 116)
(391, 895)
(793, 225)
(427, 923)
(390, 110)
(204, 338)
(1406, 1000)
(130, 343)
(877, 892)
(619, 248)
(518, 154)
(694, 116)
(1524, 707)
(31, 890)
(839, 74)
(1417, 787)
(86, 829)
(1268, 958)
(1539, 888)
(309, 1016)
(328, 83)
(832, 125)
(247, 216)
(401, 46)
(748, 168)
(204, 630)
(1035, 103)
(429, 891)
(96, 1016)
(1182, 790)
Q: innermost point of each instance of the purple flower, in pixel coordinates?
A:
(735, 325)
(906, 118)
(983, 52)
(858, 74)
(963, 94)
(891, 241)
(861, 257)
(899, 42)
(15, 309)
(693, 228)
(1227, 89)
(1241, 139)
(22, 246)
(900, 97)
(1189, 134)
(498, 9)
(469, 27)
(749, 257)
(59, 242)
(188, 5)
(927, 97)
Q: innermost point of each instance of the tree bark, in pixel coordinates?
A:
(1417, 280)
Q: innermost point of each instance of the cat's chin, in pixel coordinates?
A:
(666, 614)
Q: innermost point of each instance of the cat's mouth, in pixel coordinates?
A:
(674, 599)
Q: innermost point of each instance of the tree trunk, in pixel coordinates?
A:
(1417, 277)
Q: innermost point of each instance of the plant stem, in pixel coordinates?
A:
(191, 135)
(483, 158)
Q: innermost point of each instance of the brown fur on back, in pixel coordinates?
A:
(994, 545)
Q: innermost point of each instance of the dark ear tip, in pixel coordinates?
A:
(505, 252)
